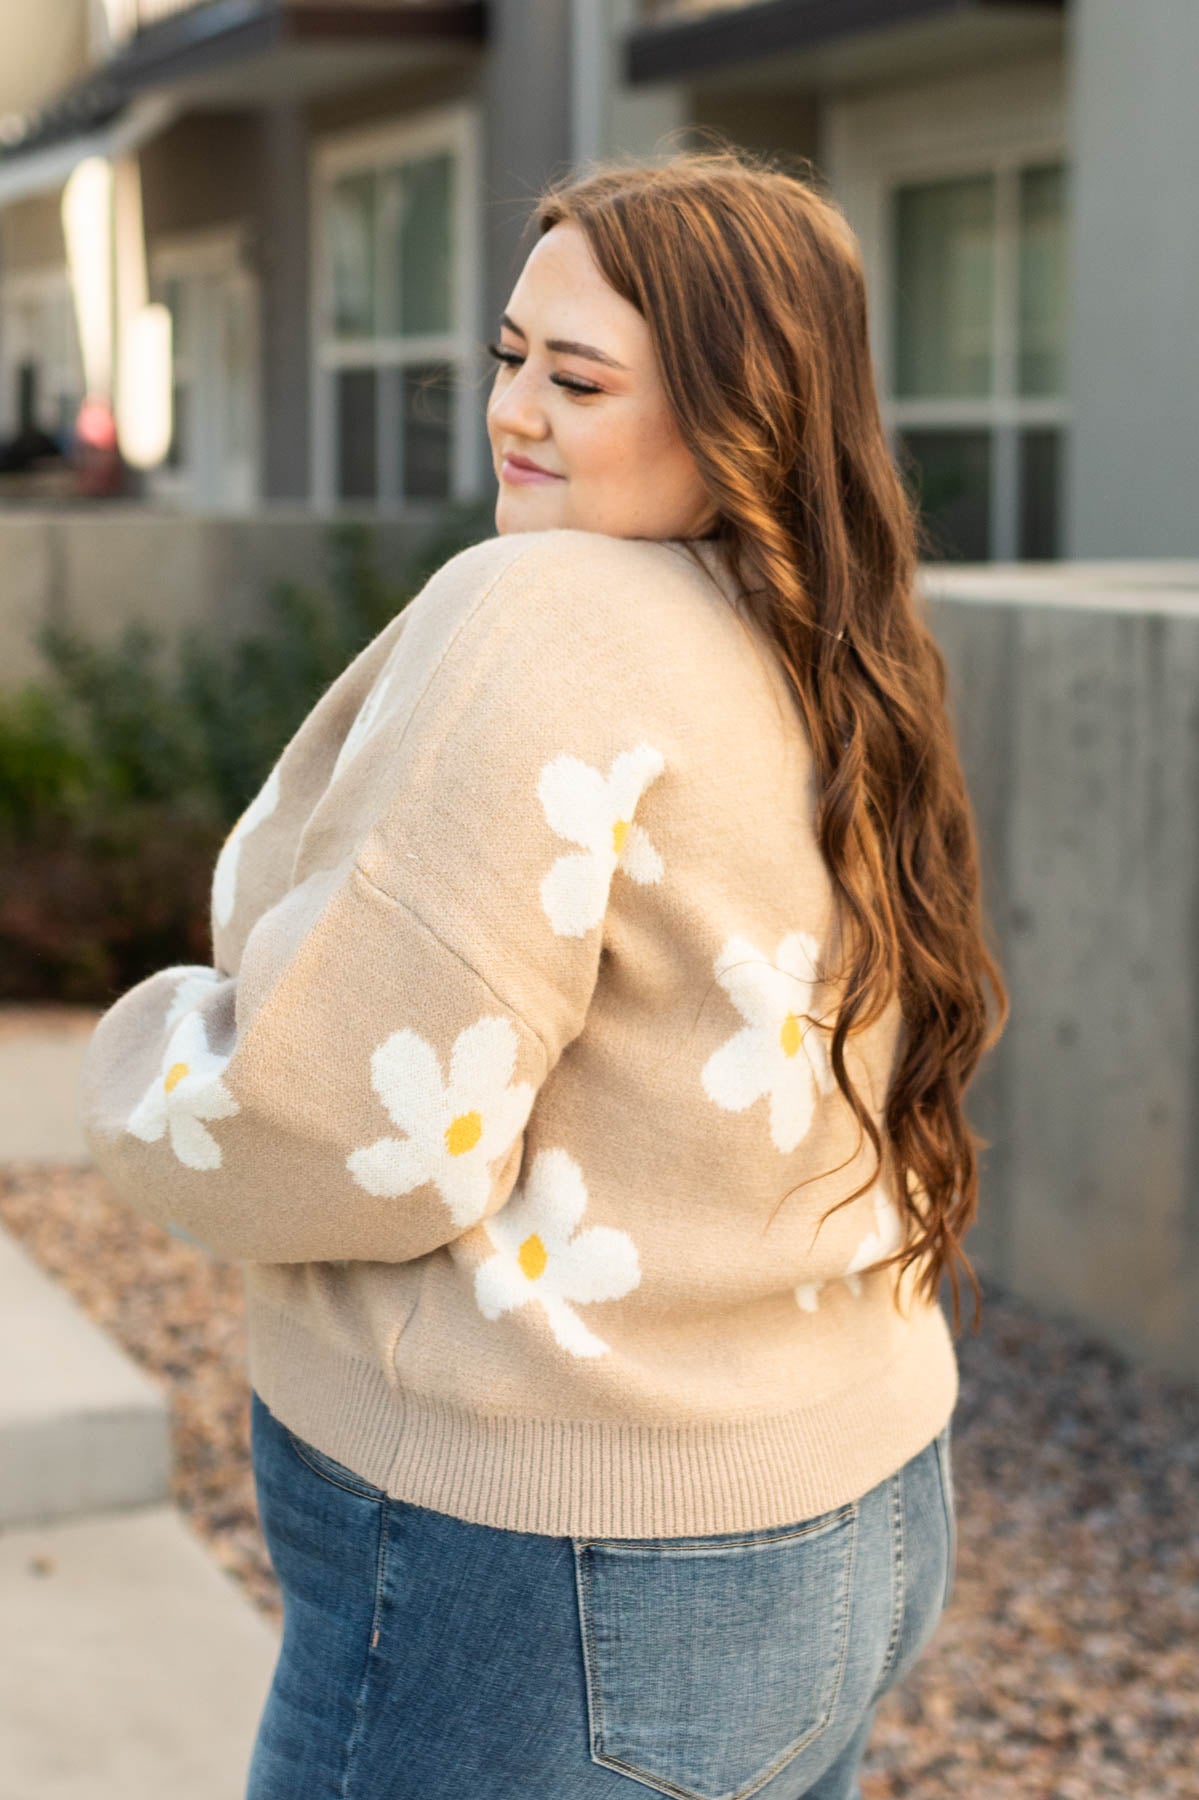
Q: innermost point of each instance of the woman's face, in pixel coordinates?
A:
(614, 459)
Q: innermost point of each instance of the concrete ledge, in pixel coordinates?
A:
(131, 1666)
(98, 569)
(41, 1051)
(1073, 693)
(1167, 588)
(82, 1428)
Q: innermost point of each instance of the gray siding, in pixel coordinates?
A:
(1134, 471)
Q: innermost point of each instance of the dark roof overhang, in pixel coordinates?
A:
(202, 40)
(697, 44)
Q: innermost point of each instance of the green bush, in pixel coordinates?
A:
(43, 771)
(121, 774)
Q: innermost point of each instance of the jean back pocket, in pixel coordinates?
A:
(711, 1662)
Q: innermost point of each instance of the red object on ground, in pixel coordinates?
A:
(95, 451)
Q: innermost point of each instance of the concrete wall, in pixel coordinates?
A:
(1134, 345)
(98, 571)
(1077, 709)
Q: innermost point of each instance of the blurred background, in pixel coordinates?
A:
(250, 251)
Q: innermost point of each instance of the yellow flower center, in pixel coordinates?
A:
(620, 832)
(463, 1133)
(790, 1036)
(532, 1257)
(174, 1076)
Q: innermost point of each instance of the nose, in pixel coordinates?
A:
(513, 412)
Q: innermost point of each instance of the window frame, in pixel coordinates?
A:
(44, 285)
(219, 254)
(996, 124)
(454, 128)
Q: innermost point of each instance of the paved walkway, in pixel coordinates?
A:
(41, 1049)
(131, 1665)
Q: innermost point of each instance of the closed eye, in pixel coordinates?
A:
(513, 360)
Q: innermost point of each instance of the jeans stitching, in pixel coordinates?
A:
(364, 1680)
(945, 1471)
(897, 1577)
(846, 1617)
(595, 1719)
(716, 1543)
(367, 1490)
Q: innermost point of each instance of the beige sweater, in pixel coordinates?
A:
(502, 1067)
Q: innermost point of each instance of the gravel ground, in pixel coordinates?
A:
(1067, 1664)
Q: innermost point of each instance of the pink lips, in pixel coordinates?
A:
(519, 475)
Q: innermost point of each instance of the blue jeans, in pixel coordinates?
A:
(428, 1658)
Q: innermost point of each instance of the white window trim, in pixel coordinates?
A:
(219, 251)
(43, 283)
(201, 252)
(454, 128)
(993, 122)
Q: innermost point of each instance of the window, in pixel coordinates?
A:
(213, 302)
(41, 369)
(977, 276)
(179, 297)
(396, 243)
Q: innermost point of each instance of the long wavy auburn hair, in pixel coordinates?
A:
(750, 280)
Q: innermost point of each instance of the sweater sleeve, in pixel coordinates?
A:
(359, 1088)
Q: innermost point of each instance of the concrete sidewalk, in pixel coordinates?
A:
(41, 1049)
(131, 1666)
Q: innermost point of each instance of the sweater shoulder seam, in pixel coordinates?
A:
(407, 907)
(456, 634)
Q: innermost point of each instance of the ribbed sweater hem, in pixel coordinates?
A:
(598, 1478)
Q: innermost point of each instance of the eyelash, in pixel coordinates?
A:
(512, 360)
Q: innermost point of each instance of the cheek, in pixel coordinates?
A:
(659, 435)
(592, 443)
(658, 445)
(616, 446)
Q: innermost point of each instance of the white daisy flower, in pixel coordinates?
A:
(595, 811)
(196, 980)
(886, 1237)
(224, 876)
(456, 1128)
(187, 1091)
(364, 720)
(542, 1256)
(777, 1052)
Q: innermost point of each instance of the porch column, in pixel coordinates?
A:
(1134, 445)
(526, 108)
(284, 290)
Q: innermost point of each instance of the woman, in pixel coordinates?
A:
(595, 983)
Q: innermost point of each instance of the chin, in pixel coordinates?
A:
(509, 518)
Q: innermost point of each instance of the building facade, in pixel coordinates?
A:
(332, 195)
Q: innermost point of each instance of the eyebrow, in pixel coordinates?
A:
(569, 346)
